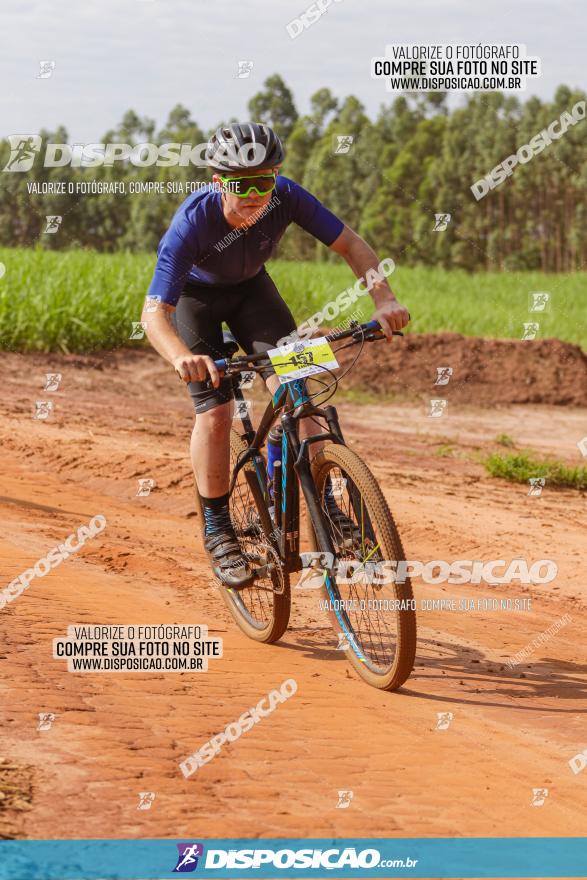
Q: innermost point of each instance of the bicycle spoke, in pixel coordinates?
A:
(373, 629)
(255, 602)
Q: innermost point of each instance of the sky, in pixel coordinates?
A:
(148, 55)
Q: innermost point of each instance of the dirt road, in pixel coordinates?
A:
(115, 735)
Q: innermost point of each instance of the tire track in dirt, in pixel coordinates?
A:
(116, 735)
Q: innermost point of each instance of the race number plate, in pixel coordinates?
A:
(302, 358)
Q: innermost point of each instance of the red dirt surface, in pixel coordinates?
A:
(485, 371)
(127, 417)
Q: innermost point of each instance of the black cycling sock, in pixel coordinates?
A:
(216, 514)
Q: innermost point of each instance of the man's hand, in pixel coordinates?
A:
(196, 368)
(391, 315)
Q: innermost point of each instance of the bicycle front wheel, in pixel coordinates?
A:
(372, 612)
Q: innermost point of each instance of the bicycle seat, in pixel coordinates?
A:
(229, 344)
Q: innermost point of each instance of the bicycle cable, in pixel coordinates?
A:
(337, 379)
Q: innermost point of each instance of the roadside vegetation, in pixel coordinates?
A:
(520, 467)
(81, 300)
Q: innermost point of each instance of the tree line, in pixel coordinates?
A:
(386, 177)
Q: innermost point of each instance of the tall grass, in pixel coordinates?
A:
(70, 301)
(81, 300)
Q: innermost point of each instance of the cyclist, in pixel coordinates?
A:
(211, 269)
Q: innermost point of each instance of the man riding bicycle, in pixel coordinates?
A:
(211, 269)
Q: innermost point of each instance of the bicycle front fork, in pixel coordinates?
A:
(299, 464)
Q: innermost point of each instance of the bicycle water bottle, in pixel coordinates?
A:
(274, 439)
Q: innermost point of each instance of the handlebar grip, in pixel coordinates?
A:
(221, 367)
(375, 327)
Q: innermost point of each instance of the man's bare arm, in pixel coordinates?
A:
(164, 339)
(361, 258)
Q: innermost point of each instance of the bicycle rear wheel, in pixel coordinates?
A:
(261, 610)
(375, 620)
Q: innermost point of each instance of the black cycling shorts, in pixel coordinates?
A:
(255, 313)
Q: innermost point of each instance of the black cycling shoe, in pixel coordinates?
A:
(227, 560)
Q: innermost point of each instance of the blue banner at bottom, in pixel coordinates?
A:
(351, 857)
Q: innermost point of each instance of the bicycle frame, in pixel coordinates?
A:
(296, 471)
(295, 459)
(295, 462)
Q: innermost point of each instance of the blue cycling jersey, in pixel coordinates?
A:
(201, 246)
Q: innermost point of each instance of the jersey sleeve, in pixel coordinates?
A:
(175, 258)
(309, 213)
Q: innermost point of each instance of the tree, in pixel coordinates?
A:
(274, 106)
(415, 160)
(133, 127)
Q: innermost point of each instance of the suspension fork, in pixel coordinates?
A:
(304, 471)
(338, 615)
(333, 424)
(299, 463)
(361, 514)
(300, 466)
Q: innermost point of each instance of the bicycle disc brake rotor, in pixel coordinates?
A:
(267, 565)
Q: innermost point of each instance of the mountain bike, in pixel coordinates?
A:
(373, 615)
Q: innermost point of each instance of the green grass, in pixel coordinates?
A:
(490, 304)
(81, 300)
(446, 450)
(505, 440)
(70, 301)
(520, 467)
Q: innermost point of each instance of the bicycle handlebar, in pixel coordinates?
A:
(359, 332)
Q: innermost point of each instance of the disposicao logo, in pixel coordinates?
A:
(187, 860)
(24, 149)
